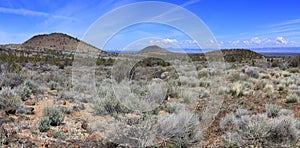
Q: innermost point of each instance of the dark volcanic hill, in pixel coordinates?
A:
(232, 55)
(246, 53)
(154, 49)
(57, 41)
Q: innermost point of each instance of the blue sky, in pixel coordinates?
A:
(234, 23)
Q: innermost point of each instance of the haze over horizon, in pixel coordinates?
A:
(235, 23)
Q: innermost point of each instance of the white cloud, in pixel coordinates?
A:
(234, 43)
(255, 40)
(163, 41)
(265, 42)
(193, 42)
(167, 41)
(281, 40)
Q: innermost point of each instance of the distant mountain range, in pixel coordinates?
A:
(278, 51)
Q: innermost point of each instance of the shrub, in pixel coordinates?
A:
(294, 89)
(65, 110)
(27, 88)
(237, 89)
(292, 98)
(280, 87)
(286, 112)
(282, 131)
(175, 107)
(8, 97)
(34, 87)
(251, 72)
(259, 130)
(52, 85)
(65, 95)
(23, 91)
(44, 124)
(272, 110)
(228, 122)
(140, 96)
(269, 89)
(243, 122)
(179, 129)
(106, 102)
(55, 115)
(188, 95)
(241, 112)
(11, 80)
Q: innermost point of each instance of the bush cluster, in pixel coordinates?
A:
(8, 98)
(275, 128)
(51, 116)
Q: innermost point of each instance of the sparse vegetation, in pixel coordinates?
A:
(55, 116)
(183, 132)
(44, 124)
(258, 130)
(8, 98)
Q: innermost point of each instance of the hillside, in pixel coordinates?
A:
(57, 41)
(233, 55)
(154, 49)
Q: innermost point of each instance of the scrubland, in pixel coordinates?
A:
(44, 101)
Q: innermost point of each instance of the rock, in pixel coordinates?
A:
(164, 75)
(94, 137)
(44, 145)
(132, 119)
(10, 110)
(63, 102)
(162, 112)
(65, 129)
(29, 102)
(50, 133)
(84, 125)
(79, 107)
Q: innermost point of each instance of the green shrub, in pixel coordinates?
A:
(55, 115)
(259, 130)
(28, 87)
(33, 86)
(291, 99)
(66, 95)
(272, 110)
(175, 107)
(228, 122)
(14, 68)
(106, 102)
(251, 72)
(179, 129)
(23, 91)
(44, 124)
(11, 80)
(8, 97)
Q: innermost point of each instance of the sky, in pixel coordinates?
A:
(233, 23)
